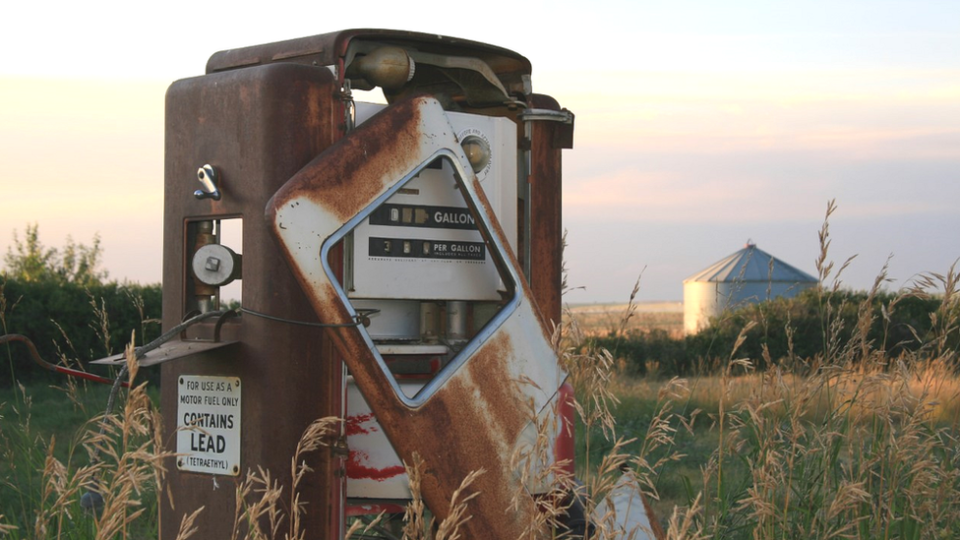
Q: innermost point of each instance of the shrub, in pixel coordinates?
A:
(70, 322)
(813, 326)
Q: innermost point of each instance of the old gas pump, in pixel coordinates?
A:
(400, 268)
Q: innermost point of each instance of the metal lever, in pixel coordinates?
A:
(207, 176)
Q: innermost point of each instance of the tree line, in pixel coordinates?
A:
(813, 329)
(63, 301)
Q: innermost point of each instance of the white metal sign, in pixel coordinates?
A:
(208, 424)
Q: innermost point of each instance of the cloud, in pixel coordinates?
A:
(756, 187)
(756, 147)
(864, 112)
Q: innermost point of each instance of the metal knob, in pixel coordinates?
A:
(207, 176)
(216, 265)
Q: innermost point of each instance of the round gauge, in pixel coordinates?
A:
(477, 148)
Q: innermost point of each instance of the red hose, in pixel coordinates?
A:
(51, 367)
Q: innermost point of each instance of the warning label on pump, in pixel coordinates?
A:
(208, 424)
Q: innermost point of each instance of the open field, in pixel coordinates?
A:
(599, 319)
(852, 442)
(848, 423)
(739, 450)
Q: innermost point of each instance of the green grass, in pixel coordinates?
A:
(851, 452)
(850, 444)
(856, 428)
(46, 434)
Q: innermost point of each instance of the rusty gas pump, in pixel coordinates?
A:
(400, 268)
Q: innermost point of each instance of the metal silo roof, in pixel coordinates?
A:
(752, 264)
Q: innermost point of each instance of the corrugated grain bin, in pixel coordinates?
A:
(750, 275)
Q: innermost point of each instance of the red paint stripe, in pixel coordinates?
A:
(356, 470)
(354, 424)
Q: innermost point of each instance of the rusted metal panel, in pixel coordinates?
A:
(476, 413)
(469, 73)
(257, 126)
(375, 471)
(546, 212)
(328, 49)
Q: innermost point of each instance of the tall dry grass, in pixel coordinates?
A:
(848, 444)
(107, 482)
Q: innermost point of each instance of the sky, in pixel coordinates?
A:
(699, 125)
